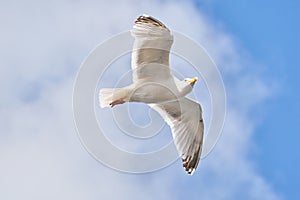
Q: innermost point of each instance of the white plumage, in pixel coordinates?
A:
(154, 84)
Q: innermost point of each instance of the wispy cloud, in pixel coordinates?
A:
(41, 156)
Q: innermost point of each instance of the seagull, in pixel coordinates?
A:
(155, 85)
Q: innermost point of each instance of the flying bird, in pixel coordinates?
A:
(155, 85)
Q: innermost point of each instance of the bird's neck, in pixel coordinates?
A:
(185, 90)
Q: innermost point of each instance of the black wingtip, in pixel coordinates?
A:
(149, 20)
(190, 163)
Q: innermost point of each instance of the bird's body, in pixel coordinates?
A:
(154, 84)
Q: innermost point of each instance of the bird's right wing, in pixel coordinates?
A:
(151, 49)
(184, 116)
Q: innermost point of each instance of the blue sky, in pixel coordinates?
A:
(255, 45)
(270, 32)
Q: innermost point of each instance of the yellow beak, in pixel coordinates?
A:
(192, 81)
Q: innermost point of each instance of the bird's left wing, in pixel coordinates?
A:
(151, 49)
(184, 116)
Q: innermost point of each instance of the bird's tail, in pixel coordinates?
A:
(109, 95)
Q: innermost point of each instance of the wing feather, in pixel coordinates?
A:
(184, 116)
(153, 41)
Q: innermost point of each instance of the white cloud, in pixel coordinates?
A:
(41, 156)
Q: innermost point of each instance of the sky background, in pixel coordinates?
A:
(255, 46)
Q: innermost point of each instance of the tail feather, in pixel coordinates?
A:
(108, 95)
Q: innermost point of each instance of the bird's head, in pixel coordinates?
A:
(187, 85)
(190, 81)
